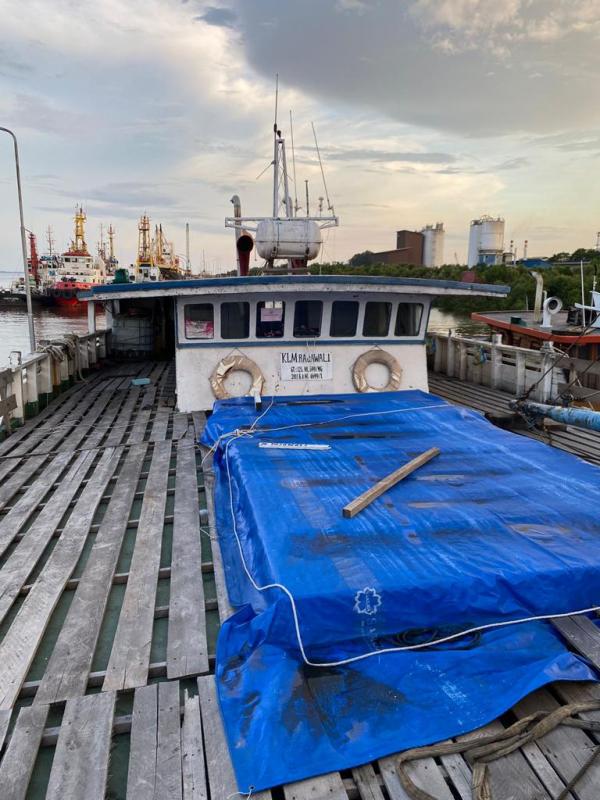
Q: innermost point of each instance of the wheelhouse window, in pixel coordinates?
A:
(270, 319)
(344, 318)
(199, 320)
(235, 320)
(307, 318)
(377, 318)
(408, 319)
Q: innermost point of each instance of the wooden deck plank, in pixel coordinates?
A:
(510, 776)
(80, 766)
(5, 716)
(25, 556)
(192, 751)
(142, 418)
(180, 425)
(327, 787)
(567, 749)
(158, 432)
(14, 520)
(20, 643)
(119, 429)
(59, 436)
(18, 442)
(225, 608)
(130, 655)
(105, 423)
(367, 783)
(187, 649)
(218, 764)
(425, 773)
(69, 666)
(168, 784)
(582, 635)
(143, 742)
(23, 469)
(20, 756)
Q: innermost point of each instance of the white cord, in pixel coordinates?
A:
(383, 651)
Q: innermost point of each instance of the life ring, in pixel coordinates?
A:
(235, 364)
(376, 357)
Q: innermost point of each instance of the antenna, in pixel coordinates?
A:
(329, 206)
(307, 204)
(296, 206)
(276, 154)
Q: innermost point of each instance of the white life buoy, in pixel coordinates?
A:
(235, 364)
(376, 356)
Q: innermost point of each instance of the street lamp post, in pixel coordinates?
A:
(23, 243)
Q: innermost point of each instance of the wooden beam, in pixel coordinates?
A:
(366, 498)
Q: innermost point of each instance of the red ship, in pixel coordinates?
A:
(77, 273)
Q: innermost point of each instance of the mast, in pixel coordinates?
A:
(144, 244)
(33, 256)
(78, 245)
(188, 268)
(111, 243)
(50, 241)
(276, 155)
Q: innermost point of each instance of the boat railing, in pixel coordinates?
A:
(499, 366)
(27, 386)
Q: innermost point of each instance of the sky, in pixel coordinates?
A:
(425, 110)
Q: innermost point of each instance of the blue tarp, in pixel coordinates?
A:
(496, 528)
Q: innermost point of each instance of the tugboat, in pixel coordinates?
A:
(78, 271)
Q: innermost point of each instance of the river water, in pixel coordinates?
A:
(52, 322)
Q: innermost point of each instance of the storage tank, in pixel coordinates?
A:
(486, 241)
(288, 238)
(433, 245)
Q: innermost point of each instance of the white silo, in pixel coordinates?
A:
(486, 241)
(433, 245)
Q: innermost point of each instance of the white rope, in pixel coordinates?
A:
(286, 591)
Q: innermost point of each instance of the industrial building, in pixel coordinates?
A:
(424, 248)
(486, 241)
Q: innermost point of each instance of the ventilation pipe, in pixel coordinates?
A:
(244, 243)
(244, 246)
(552, 305)
(539, 293)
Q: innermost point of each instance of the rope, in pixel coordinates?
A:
(484, 750)
(281, 587)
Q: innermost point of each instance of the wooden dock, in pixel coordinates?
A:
(110, 602)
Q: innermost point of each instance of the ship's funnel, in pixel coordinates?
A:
(244, 245)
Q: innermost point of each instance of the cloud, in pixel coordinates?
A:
(367, 154)
(221, 17)
(450, 65)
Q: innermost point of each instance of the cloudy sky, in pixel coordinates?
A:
(426, 110)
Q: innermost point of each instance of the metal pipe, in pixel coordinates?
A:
(539, 290)
(23, 243)
(578, 417)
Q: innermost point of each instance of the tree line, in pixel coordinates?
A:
(560, 280)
